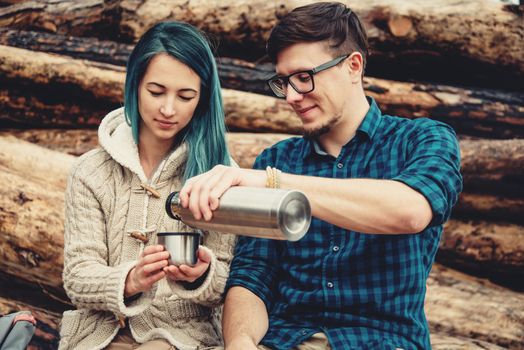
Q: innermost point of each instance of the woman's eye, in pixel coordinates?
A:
(186, 98)
(155, 93)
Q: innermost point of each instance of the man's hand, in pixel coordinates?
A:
(148, 270)
(190, 273)
(201, 194)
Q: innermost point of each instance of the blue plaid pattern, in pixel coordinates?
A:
(363, 291)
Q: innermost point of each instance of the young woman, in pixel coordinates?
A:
(170, 129)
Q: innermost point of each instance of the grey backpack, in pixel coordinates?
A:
(15, 336)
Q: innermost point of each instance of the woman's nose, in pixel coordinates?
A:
(168, 108)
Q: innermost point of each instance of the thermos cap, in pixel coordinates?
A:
(294, 216)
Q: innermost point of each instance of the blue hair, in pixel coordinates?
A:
(205, 133)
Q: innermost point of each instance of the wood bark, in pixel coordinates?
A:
(99, 80)
(88, 48)
(31, 211)
(444, 342)
(10, 2)
(96, 85)
(245, 147)
(483, 113)
(461, 305)
(490, 207)
(71, 17)
(493, 166)
(493, 250)
(493, 159)
(480, 42)
(71, 141)
(482, 31)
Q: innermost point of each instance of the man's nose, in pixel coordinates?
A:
(292, 96)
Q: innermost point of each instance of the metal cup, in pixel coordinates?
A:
(182, 246)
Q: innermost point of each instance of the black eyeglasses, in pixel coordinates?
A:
(301, 81)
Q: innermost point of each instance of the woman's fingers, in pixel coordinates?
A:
(192, 273)
(152, 279)
(204, 254)
(152, 258)
(155, 266)
(173, 272)
(185, 272)
(152, 249)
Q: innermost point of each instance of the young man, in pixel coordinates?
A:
(380, 188)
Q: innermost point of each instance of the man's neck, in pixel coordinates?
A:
(340, 134)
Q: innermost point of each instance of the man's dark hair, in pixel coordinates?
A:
(332, 22)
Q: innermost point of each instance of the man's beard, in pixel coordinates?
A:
(321, 130)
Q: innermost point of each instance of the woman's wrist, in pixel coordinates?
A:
(129, 288)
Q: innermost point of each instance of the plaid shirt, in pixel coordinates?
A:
(364, 291)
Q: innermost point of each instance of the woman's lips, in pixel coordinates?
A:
(164, 124)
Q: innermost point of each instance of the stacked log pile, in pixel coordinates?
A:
(62, 67)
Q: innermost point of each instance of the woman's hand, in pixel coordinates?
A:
(190, 273)
(147, 271)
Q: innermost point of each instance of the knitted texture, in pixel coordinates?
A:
(104, 203)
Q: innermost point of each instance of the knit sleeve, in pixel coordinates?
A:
(209, 293)
(89, 281)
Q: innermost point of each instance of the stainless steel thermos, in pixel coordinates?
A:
(252, 211)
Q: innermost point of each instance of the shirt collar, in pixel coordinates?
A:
(365, 131)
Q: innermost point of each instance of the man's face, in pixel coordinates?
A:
(324, 107)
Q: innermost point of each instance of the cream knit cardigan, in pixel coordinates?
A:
(105, 202)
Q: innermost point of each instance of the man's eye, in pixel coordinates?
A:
(276, 82)
(304, 78)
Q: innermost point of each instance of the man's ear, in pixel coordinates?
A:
(355, 64)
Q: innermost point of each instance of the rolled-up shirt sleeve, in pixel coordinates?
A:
(433, 167)
(254, 268)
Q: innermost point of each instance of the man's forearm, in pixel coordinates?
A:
(245, 319)
(364, 205)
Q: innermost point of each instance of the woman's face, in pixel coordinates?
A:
(168, 95)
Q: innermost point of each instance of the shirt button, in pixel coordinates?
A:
(336, 248)
(330, 285)
(340, 165)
